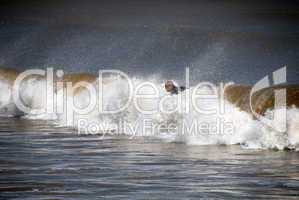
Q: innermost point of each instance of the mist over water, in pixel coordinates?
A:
(219, 41)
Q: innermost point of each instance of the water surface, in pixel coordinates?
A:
(41, 161)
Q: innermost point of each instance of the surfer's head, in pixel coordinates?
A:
(171, 86)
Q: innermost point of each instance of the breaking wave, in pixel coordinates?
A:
(231, 123)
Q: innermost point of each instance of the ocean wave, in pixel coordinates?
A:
(232, 122)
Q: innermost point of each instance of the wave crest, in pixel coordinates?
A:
(248, 131)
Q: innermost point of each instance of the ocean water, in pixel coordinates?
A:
(220, 41)
(39, 160)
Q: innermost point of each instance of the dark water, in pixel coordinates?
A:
(219, 40)
(39, 161)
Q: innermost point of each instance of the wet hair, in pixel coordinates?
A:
(171, 87)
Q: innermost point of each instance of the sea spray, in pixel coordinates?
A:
(189, 117)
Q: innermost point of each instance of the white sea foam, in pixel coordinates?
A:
(244, 129)
(7, 106)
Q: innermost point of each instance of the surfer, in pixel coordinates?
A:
(173, 88)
